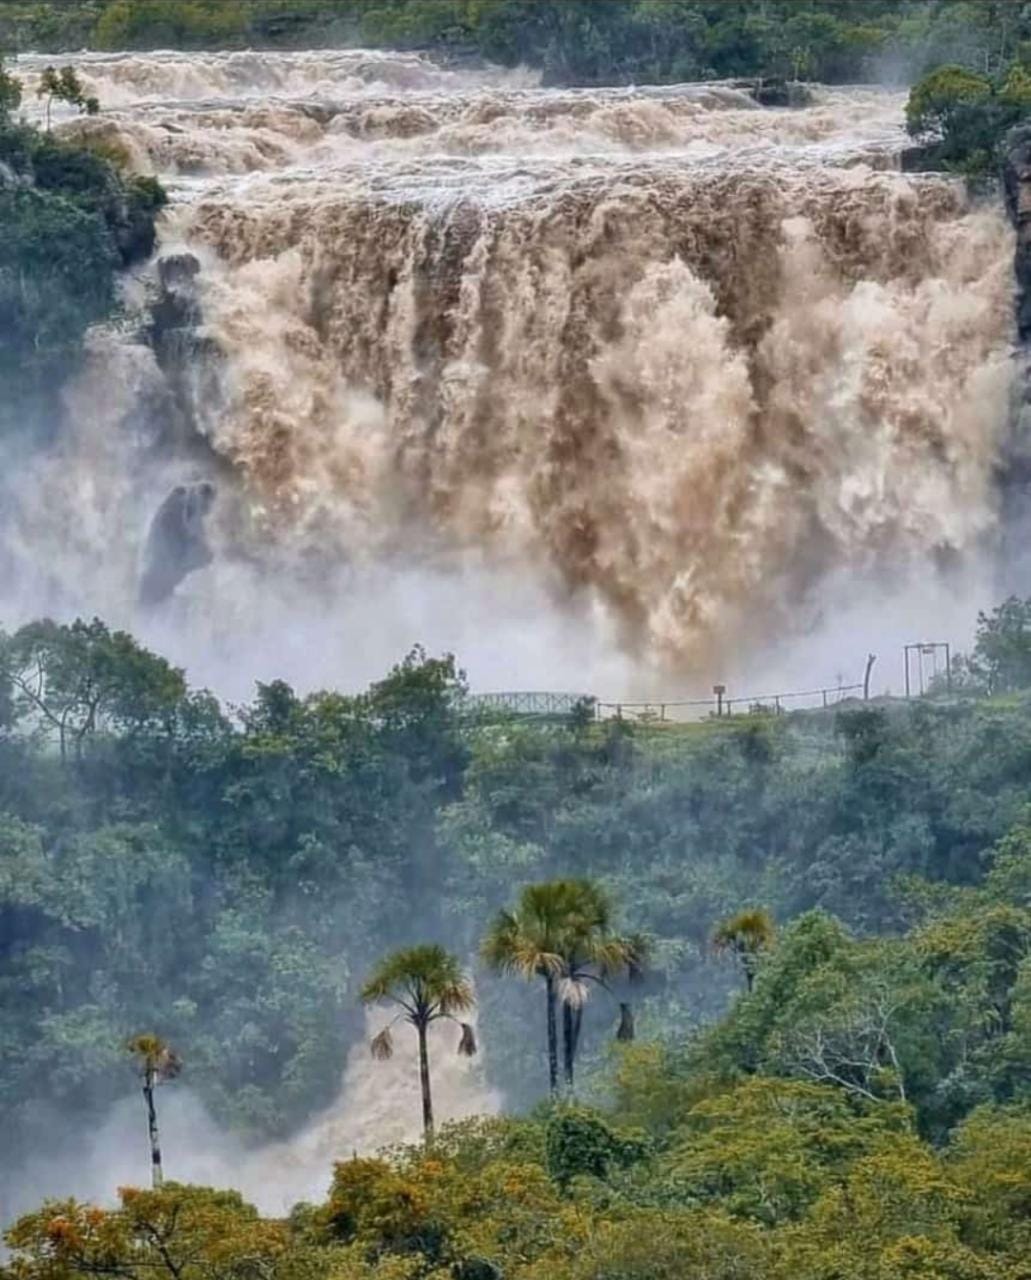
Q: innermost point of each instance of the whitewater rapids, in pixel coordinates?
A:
(581, 383)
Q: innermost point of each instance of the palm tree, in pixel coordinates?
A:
(156, 1063)
(428, 984)
(591, 953)
(746, 935)
(559, 931)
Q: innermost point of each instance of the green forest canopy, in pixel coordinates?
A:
(860, 1108)
(224, 879)
(576, 41)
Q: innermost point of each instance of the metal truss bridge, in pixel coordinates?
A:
(530, 704)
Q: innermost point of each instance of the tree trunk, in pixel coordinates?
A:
(424, 1081)
(156, 1174)
(549, 983)
(748, 964)
(572, 1019)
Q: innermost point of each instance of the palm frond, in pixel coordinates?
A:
(467, 1045)
(638, 950)
(456, 998)
(548, 963)
(520, 946)
(171, 1064)
(747, 932)
(609, 955)
(382, 1046)
(426, 981)
(154, 1056)
(573, 992)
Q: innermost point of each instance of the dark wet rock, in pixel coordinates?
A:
(187, 357)
(918, 159)
(1016, 180)
(176, 544)
(781, 93)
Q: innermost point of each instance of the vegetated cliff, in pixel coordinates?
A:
(71, 222)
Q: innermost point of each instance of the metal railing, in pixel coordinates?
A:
(542, 704)
(726, 704)
(529, 703)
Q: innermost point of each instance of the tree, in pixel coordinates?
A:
(176, 23)
(10, 92)
(528, 942)
(175, 1233)
(745, 935)
(156, 1063)
(962, 117)
(75, 679)
(428, 984)
(593, 955)
(416, 711)
(65, 86)
(560, 932)
(1002, 649)
(70, 219)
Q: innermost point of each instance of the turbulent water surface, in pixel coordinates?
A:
(583, 383)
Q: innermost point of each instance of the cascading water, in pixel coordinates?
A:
(549, 376)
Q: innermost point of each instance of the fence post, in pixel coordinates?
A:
(871, 658)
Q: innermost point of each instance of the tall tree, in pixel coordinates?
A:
(528, 942)
(65, 86)
(745, 935)
(156, 1062)
(79, 679)
(428, 984)
(10, 92)
(560, 932)
(592, 955)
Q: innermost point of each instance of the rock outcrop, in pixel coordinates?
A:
(1016, 177)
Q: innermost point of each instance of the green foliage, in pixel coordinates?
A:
(934, 102)
(579, 1143)
(573, 41)
(168, 23)
(224, 879)
(420, 978)
(765, 1149)
(179, 1233)
(746, 935)
(807, 1189)
(68, 221)
(1002, 650)
(962, 117)
(81, 679)
(65, 86)
(10, 92)
(57, 272)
